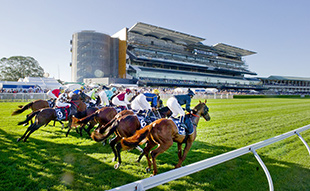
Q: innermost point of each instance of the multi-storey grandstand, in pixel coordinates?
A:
(156, 56)
(159, 56)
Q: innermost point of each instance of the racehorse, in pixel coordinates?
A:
(39, 104)
(123, 125)
(45, 115)
(164, 132)
(34, 106)
(101, 116)
(82, 114)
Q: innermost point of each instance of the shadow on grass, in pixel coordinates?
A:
(242, 173)
(37, 165)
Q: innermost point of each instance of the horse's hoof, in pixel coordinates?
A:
(148, 170)
(152, 175)
(116, 166)
(18, 139)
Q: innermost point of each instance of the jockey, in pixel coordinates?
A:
(174, 104)
(92, 94)
(54, 94)
(63, 99)
(103, 97)
(140, 103)
(121, 99)
(76, 91)
(152, 97)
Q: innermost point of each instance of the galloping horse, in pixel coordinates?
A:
(164, 132)
(79, 115)
(125, 124)
(101, 116)
(40, 104)
(34, 106)
(45, 115)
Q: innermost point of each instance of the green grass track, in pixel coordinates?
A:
(51, 161)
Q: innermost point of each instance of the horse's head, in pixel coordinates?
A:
(202, 110)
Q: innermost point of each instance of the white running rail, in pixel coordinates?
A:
(162, 178)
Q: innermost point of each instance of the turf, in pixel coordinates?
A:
(51, 161)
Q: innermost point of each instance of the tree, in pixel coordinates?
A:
(15, 67)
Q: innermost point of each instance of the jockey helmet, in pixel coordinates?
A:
(128, 90)
(82, 88)
(61, 88)
(113, 89)
(190, 92)
(155, 91)
(67, 90)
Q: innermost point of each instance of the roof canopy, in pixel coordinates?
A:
(290, 78)
(165, 34)
(229, 48)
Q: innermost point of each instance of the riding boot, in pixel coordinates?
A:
(182, 124)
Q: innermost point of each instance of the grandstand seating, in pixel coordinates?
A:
(189, 61)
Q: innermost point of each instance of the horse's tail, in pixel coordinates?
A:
(86, 119)
(109, 129)
(22, 109)
(138, 138)
(29, 117)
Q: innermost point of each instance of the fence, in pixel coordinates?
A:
(23, 97)
(154, 181)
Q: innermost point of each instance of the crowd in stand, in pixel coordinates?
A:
(162, 90)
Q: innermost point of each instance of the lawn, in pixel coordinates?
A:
(51, 161)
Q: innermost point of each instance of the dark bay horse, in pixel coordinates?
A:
(125, 124)
(82, 114)
(45, 115)
(164, 132)
(101, 116)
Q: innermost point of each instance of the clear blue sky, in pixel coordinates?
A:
(279, 31)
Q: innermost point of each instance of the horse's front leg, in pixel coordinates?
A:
(61, 124)
(22, 137)
(34, 128)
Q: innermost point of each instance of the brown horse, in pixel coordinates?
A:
(101, 116)
(40, 104)
(44, 116)
(123, 125)
(34, 106)
(164, 132)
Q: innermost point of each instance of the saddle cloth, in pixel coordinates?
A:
(62, 113)
(144, 121)
(182, 131)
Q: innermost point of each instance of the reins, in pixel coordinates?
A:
(75, 104)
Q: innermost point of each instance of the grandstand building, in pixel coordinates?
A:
(286, 85)
(156, 56)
